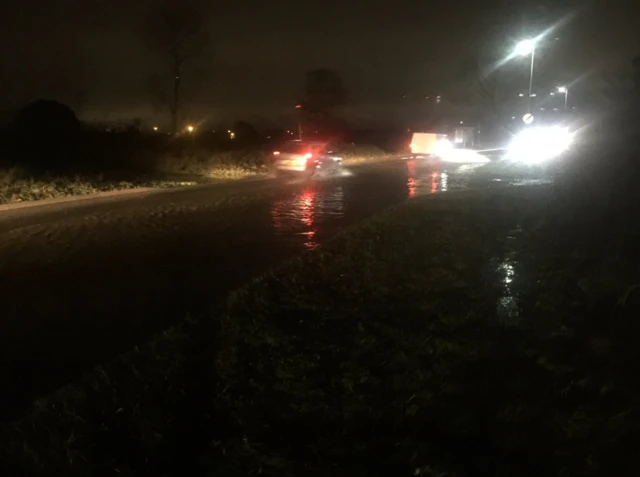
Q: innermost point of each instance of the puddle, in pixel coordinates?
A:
(508, 272)
(303, 213)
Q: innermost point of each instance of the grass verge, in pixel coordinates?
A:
(460, 335)
(235, 164)
(17, 186)
(363, 154)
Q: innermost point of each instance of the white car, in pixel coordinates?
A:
(305, 158)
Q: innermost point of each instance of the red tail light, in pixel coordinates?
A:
(276, 153)
(308, 155)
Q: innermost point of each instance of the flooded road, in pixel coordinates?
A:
(313, 211)
(83, 282)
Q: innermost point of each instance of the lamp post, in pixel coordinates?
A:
(299, 108)
(565, 90)
(524, 48)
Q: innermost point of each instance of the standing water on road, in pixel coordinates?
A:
(109, 275)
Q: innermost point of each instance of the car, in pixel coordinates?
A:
(305, 158)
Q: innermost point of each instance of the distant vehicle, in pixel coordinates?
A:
(305, 158)
(429, 144)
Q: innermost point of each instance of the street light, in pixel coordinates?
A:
(524, 48)
(190, 128)
(565, 90)
(299, 108)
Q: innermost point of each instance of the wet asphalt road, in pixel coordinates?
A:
(84, 281)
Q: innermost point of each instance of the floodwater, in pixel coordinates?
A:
(92, 279)
(312, 211)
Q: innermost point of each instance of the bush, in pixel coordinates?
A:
(46, 133)
(46, 117)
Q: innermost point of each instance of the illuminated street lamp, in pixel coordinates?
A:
(155, 128)
(524, 48)
(190, 128)
(565, 90)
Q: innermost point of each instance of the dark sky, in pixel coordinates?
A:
(95, 54)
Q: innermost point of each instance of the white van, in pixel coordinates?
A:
(429, 144)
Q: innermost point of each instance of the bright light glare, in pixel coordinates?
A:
(442, 147)
(190, 128)
(525, 47)
(276, 153)
(308, 155)
(535, 145)
(155, 128)
(562, 89)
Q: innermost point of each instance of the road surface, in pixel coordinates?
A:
(84, 281)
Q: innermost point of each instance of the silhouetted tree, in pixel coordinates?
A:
(47, 117)
(45, 133)
(245, 133)
(177, 31)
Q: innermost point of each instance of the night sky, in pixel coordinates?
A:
(96, 57)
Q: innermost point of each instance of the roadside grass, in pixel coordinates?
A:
(220, 165)
(364, 153)
(454, 335)
(17, 185)
(183, 168)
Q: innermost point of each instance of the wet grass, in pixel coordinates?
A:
(235, 164)
(365, 154)
(162, 171)
(18, 185)
(457, 335)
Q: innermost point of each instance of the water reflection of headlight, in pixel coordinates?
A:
(535, 145)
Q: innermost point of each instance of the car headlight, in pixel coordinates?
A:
(539, 144)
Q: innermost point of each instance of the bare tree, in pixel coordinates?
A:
(177, 31)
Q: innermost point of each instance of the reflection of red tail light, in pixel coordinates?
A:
(411, 174)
